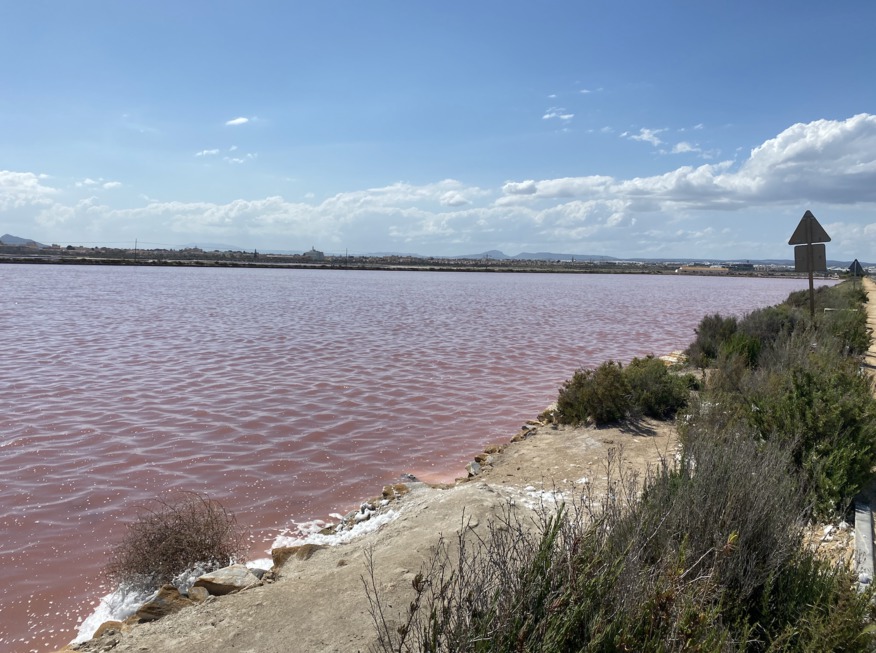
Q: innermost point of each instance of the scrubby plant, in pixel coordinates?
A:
(601, 396)
(712, 332)
(767, 324)
(654, 390)
(171, 536)
(708, 559)
(827, 417)
(806, 393)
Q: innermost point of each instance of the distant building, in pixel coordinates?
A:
(701, 269)
(314, 255)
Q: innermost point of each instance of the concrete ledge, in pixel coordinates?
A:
(864, 543)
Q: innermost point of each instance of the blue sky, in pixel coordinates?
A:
(633, 129)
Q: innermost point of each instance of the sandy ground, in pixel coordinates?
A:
(320, 604)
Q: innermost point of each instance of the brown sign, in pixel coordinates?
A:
(810, 258)
(809, 231)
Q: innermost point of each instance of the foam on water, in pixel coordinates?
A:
(118, 605)
(309, 536)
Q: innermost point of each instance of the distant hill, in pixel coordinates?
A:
(8, 239)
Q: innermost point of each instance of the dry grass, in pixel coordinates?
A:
(170, 536)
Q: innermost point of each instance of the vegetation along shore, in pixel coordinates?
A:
(654, 507)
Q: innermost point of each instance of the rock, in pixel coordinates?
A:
(258, 573)
(484, 459)
(395, 491)
(473, 468)
(227, 580)
(198, 594)
(166, 601)
(281, 554)
(107, 628)
(494, 448)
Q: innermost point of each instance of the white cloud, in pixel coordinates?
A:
(453, 198)
(528, 187)
(557, 113)
(684, 147)
(207, 153)
(817, 164)
(645, 135)
(824, 161)
(18, 189)
(240, 159)
(109, 185)
(237, 121)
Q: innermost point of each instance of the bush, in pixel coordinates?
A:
(826, 417)
(709, 559)
(806, 393)
(712, 332)
(170, 537)
(601, 395)
(654, 391)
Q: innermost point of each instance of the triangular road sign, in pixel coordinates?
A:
(856, 269)
(809, 231)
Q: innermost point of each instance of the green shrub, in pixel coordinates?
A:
(746, 347)
(654, 391)
(601, 395)
(708, 559)
(806, 393)
(826, 416)
(767, 324)
(712, 332)
(172, 536)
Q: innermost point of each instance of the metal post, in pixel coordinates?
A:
(811, 256)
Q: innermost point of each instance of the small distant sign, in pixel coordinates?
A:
(856, 269)
(809, 231)
(810, 258)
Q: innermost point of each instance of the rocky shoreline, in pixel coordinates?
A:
(313, 598)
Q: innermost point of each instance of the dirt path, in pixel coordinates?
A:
(870, 357)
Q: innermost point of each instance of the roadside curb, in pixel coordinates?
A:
(863, 542)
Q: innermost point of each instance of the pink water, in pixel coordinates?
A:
(285, 394)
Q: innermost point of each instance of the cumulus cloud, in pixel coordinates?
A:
(109, 185)
(19, 189)
(237, 121)
(453, 198)
(684, 147)
(528, 187)
(823, 161)
(207, 153)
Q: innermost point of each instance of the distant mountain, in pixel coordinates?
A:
(8, 239)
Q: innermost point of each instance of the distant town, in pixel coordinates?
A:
(14, 249)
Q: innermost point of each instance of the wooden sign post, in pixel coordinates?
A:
(807, 255)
